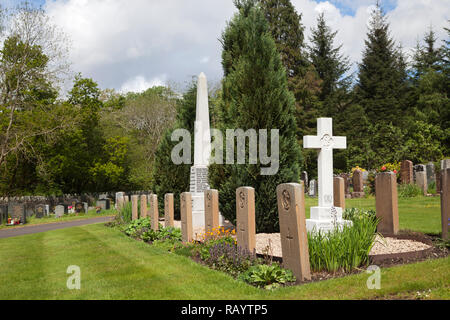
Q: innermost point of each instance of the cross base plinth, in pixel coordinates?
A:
(198, 211)
(326, 219)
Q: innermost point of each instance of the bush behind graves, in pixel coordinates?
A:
(347, 249)
(409, 191)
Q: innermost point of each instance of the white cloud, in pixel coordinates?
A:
(122, 43)
(140, 83)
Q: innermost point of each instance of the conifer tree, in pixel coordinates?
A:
(255, 96)
(379, 73)
(331, 66)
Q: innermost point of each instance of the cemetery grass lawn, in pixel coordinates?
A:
(33, 221)
(422, 214)
(114, 266)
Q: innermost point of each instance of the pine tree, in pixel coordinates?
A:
(256, 96)
(331, 66)
(428, 56)
(378, 73)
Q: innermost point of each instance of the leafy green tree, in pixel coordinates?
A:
(169, 177)
(256, 96)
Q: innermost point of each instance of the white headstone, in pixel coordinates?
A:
(325, 217)
(202, 153)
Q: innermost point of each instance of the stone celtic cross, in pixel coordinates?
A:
(325, 142)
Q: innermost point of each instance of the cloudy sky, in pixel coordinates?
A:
(130, 45)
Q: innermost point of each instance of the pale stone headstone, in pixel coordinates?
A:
(202, 153)
(445, 201)
(59, 211)
(445, 164)
(211, 211)
(119, 200)
(143, 206)
(47, 209)
(245, 218)
(386, 200)
(431, 176)
(168, 210)
(186, 217)
(421, 181)
(312, 191)
(325, 217)
(134, 207)
(293, 233)
(304, 178)
(86, 207)
(406, 172)
(154, 212)
(358, 184)
(104, 204)
(339, 192)
(126, 199)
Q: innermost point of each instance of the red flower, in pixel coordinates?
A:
(395, 171)
(383, 168)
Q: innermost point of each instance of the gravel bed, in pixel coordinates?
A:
(270, 243)
(381, 246)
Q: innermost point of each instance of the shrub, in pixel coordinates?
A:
(126, 212)
(346, 249)
(409, 191)
(267, 276)
(141, 229)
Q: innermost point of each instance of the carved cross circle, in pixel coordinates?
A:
(208, 196)
(242, 199)
(327, 140)
(286, 200)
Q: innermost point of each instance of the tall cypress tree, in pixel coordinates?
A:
(256, 96)
(378, 73)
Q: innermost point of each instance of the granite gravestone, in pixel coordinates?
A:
(431, 176)
(445, 201)
(339, 192)
(40, 211)
(358, 184)
(386, 202)
(293, 233)
(17, 212)
(59, 211)
(211, 212)
(168, 210)
(304, 178)
(312, 191)
(134, 207)
(245, 218)
(186, 217)
(406, 172)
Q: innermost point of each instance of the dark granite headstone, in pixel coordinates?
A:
(79, 207)
(17, 211)
(3, 213)
(40, 211)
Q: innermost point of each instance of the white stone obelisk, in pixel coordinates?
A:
(202, 153)
(325, 217)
